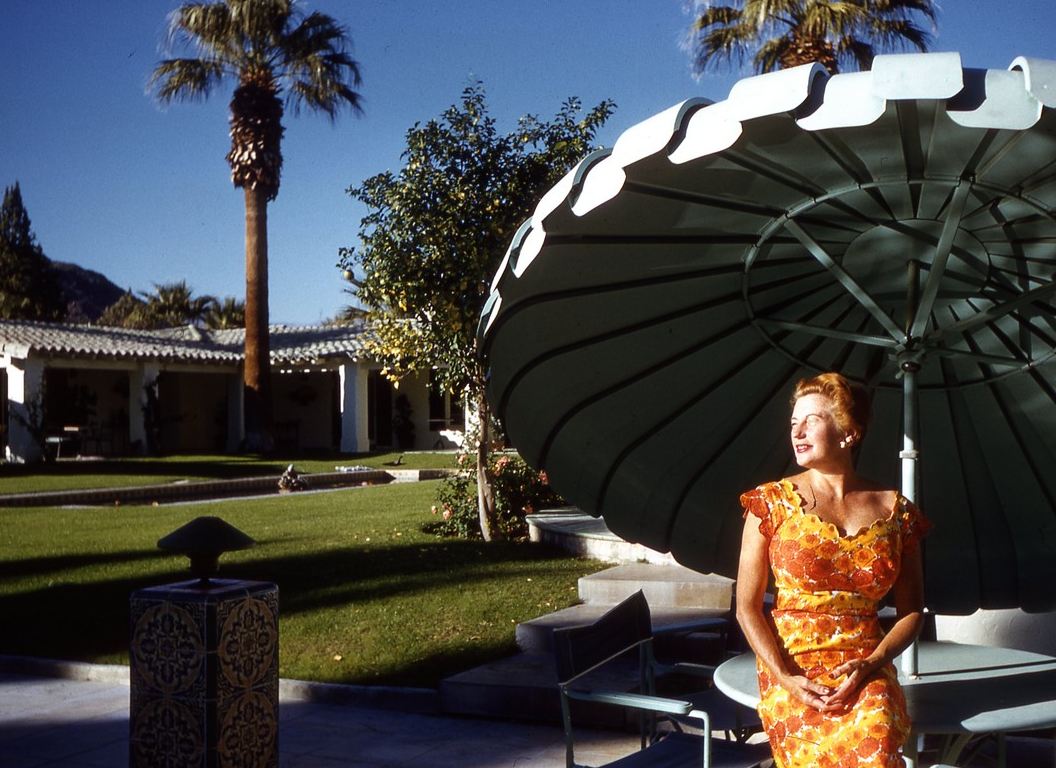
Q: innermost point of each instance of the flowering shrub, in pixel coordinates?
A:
(519, 490)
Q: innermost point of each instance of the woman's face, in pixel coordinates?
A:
(815, 436)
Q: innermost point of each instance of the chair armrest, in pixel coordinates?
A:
(634, 700)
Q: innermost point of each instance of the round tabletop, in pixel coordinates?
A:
(959, 689)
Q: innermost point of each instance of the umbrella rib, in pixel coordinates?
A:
(773, 172)
(912, 152)
(961, 439)
(832, 333)
(645, 239)
(1011, 346)
(1035, 470)
(990, 314)
(622, 330)
(939, 261)
(634, 377)
(979, 357)
(967, 256)
(983, 359)
(684, 196)
(511, 310)
(845, 280)
(522, 371)
(845, 158)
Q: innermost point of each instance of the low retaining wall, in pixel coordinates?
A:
(169, 493)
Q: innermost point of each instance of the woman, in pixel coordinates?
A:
(837, 544)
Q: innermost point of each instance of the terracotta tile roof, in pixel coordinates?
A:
(289, 344)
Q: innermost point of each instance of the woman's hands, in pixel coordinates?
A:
(825, 698)
(812, 694)
(854, 672)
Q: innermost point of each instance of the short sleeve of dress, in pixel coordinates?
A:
(912, 524)
(763, 502)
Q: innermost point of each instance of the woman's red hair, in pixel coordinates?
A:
(850, 401)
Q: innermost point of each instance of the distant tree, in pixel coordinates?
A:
(172, 304)
(29, 289)
(129, 311)
(167, 306)
(436, 232)
(229, 313)
(777, 34)
(267, 47)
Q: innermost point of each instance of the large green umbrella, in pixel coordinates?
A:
(645, 331)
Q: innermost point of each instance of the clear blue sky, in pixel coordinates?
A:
(142, 194)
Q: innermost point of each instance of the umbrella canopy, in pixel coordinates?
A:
(647, 326)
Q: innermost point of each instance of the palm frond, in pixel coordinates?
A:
(185, 79)
(327, 98)
(204, 28)
(777, 33)
(770, 54)
(861, 52)
(262, 25)
(321, 71)
(900, 34)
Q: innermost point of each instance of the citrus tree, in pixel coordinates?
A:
(435, 233)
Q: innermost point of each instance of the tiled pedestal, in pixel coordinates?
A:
(205, 675)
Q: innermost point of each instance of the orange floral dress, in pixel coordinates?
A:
(829, 587)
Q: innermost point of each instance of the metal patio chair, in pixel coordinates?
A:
(582, 652)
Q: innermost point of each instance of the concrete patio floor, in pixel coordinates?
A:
(84, 724)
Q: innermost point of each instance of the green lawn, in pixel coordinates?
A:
(365, 595)
(69, 475)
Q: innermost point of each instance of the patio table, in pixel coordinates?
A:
(961, 691)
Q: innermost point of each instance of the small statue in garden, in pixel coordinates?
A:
(291, 480)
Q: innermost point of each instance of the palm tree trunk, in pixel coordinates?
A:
(257, 369)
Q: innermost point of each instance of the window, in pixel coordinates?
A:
(445, 410)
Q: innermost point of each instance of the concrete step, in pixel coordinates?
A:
(588, 536)
(665, 586)
(536, 635)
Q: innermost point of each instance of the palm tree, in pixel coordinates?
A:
(776, 34)
(174, 304)
(269, 48)
(230, 313)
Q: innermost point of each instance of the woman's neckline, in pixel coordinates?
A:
(801, 504)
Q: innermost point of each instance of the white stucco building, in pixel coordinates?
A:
(111, 391)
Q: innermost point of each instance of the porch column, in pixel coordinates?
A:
(138, 380)
(353, 389)
(25, 407)
(236, 423)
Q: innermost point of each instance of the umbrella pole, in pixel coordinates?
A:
(910, 364)
(909, 456)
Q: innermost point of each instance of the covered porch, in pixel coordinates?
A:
(71, 391)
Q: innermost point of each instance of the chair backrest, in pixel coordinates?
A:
(579, 649)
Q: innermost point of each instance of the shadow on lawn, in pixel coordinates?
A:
(86, 621)
(39, 566)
